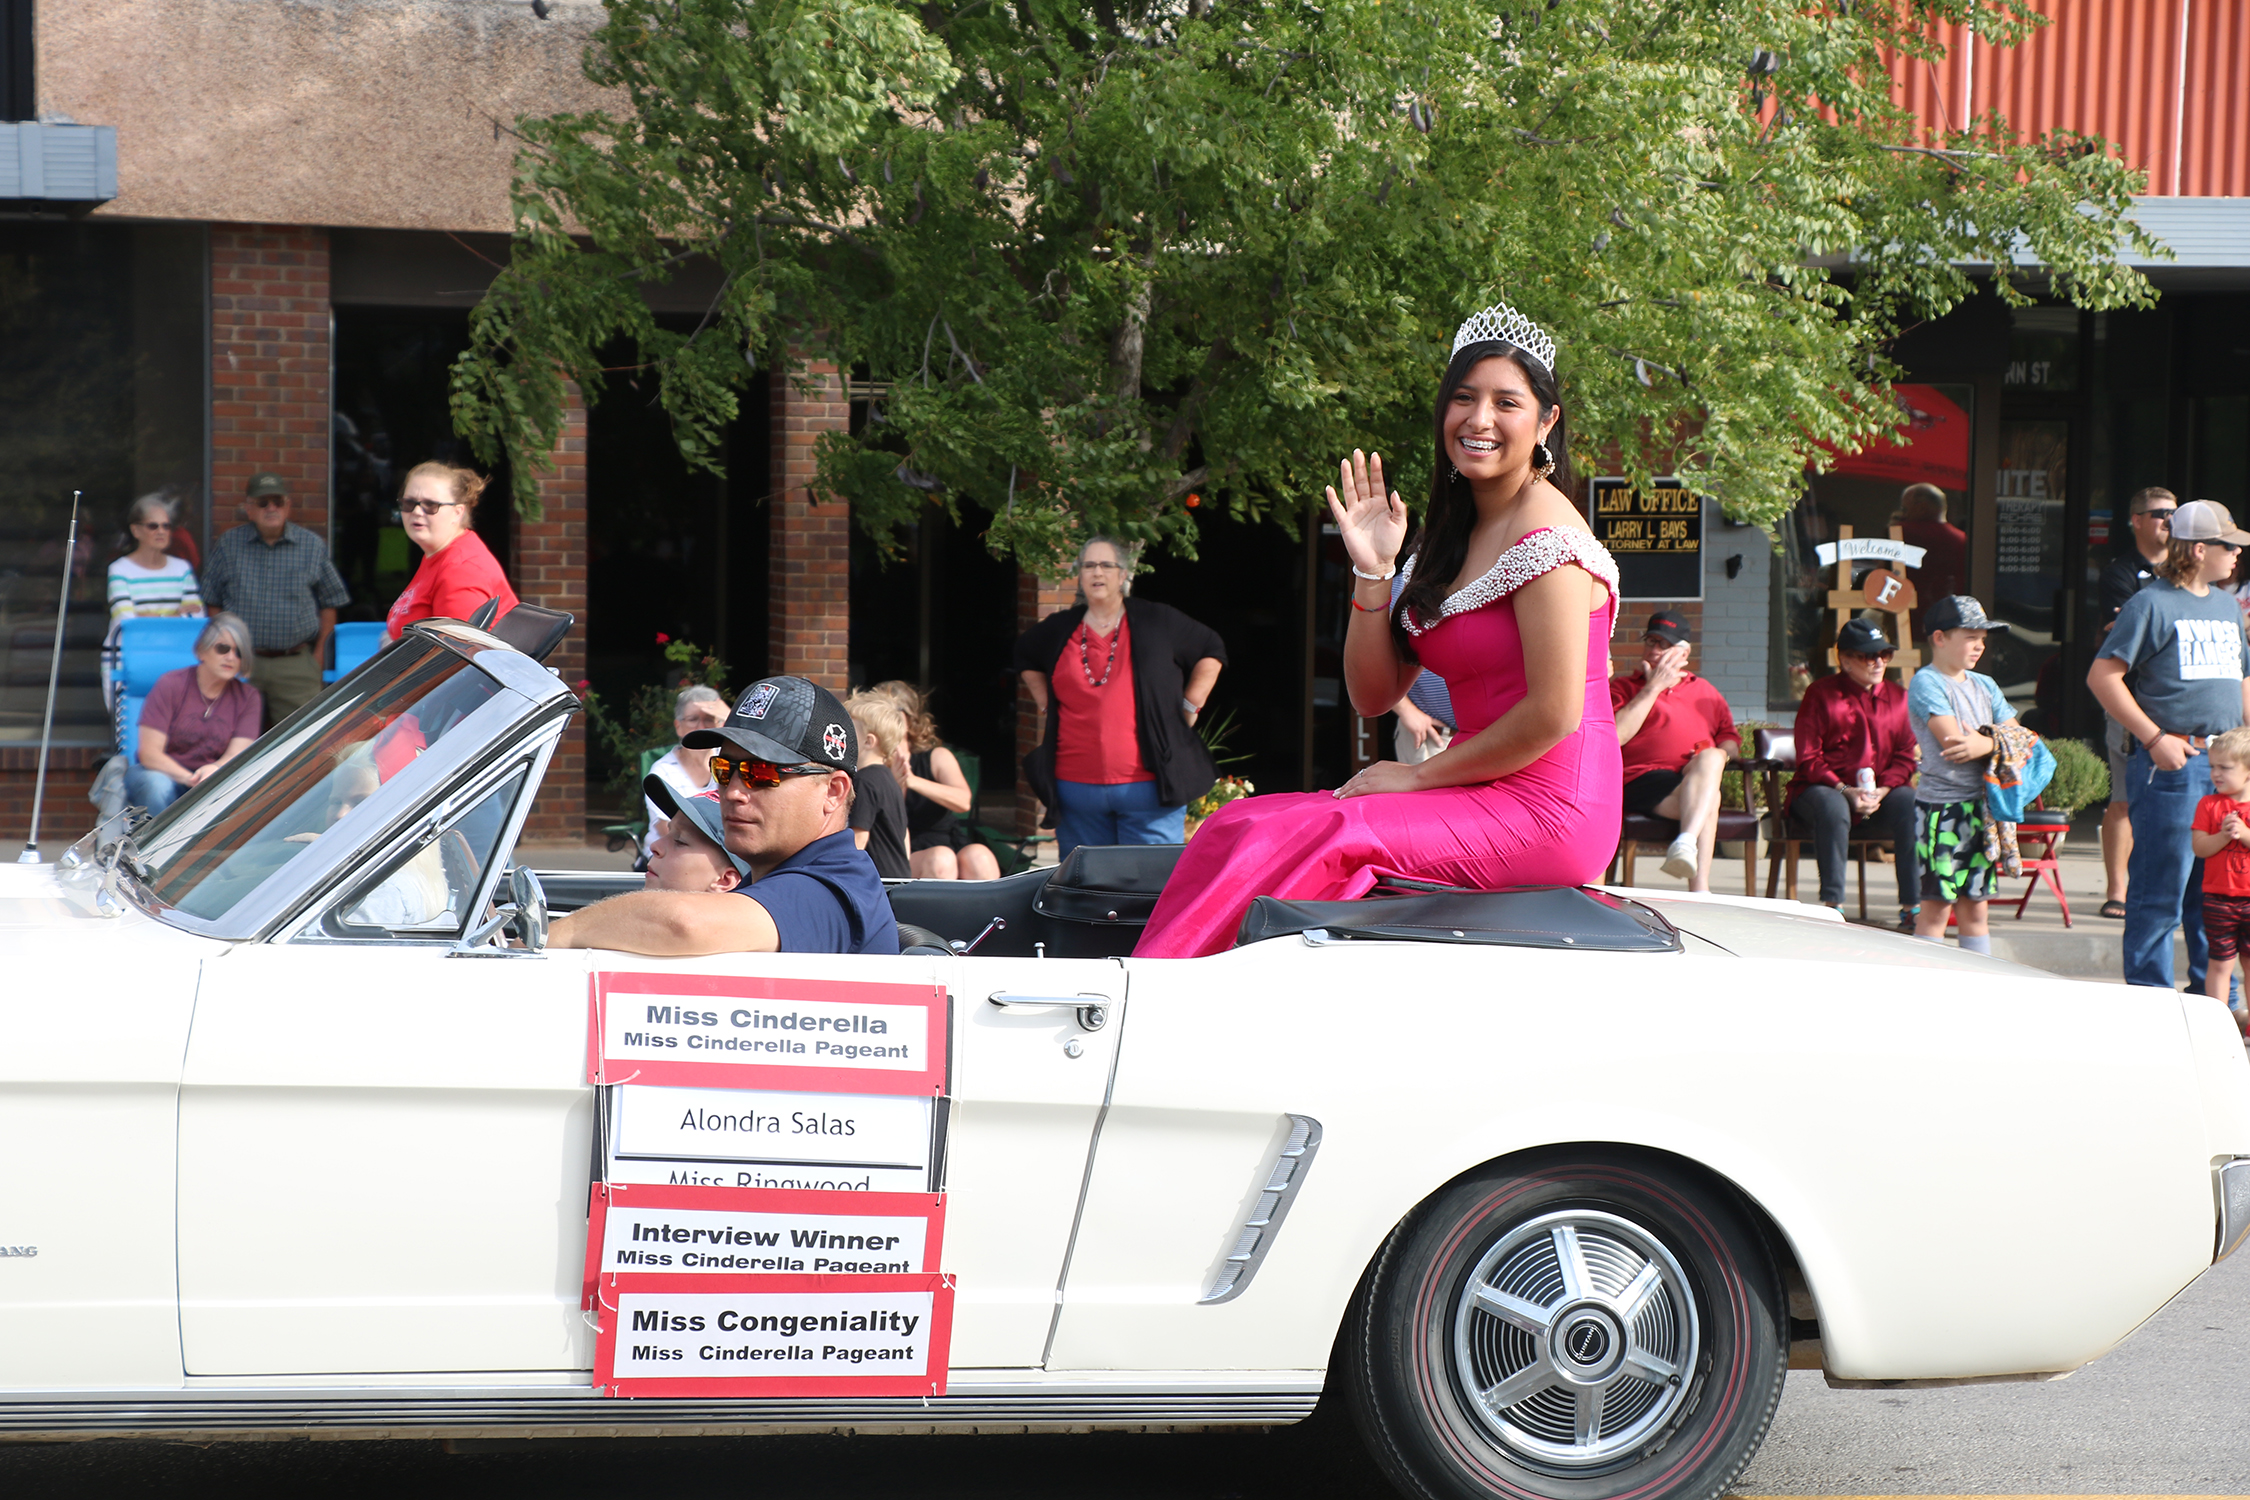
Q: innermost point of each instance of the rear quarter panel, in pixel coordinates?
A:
(1978, 1175)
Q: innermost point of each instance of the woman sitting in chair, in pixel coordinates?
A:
(197, 718)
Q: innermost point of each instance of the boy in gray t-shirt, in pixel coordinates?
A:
(2171, 672)
(1950, 707)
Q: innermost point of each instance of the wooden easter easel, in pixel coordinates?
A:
(1847, 601)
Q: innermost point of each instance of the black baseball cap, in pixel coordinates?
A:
(262, 484)
(1668, 628)
(1861, 638)
(790, 721)
(702, 810)
(1958, 612)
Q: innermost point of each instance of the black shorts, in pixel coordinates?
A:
(1644, 791)
(2226, 924)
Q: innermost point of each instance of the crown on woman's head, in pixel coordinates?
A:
(1504, 324)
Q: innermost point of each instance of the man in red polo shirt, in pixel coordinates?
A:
(1678, 736)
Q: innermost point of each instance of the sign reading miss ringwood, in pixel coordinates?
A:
(750, 1232)
(774, 1336)
(725, 1032)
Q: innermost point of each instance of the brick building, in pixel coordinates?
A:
(247, 238)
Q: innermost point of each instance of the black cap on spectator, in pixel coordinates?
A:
(1862, 638)
(1668, 628)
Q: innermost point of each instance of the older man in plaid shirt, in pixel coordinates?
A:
(277, 576)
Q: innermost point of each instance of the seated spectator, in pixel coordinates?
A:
(784, 770)
(938, 798)
(1678, 735)
(878, 806)
(146, 582)
(691, 853)
(1855, 766)
(685, 771)
(197, 718)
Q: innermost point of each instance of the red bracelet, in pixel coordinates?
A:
(1370, 609)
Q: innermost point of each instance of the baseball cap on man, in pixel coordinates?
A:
(1958, 612)
(262, 485)
(1668, 628)
(1863, 638)
(789, 721)
(702, 810)
(2207, 521)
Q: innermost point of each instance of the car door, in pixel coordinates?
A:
(1031, 1078)
(385, 1139)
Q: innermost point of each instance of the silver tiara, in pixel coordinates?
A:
(1504, 324)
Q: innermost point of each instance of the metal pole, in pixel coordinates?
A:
(30, 855)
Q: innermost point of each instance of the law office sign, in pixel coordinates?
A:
(1655, 534)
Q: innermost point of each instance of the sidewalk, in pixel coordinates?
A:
(2092, 947)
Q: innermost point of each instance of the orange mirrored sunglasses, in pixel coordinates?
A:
(763, 774)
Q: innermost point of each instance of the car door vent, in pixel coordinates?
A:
(1258, 1231)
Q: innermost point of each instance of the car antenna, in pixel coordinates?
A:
(30, 855)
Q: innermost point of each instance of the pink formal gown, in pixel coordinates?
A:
(1554, 822)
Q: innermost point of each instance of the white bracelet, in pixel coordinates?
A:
(1375, 577)
(1190, 706)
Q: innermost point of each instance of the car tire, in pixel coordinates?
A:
(1573, 1326)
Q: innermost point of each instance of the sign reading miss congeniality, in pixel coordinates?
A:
(715, 1031)
(745, 1232)
(774, 1336)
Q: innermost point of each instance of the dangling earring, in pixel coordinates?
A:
(1456, 470)
(1542, 461)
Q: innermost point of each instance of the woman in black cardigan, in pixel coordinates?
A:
(1120, 682)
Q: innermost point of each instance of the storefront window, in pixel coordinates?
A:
(102, 390)
(2028, 576)
(1919, 485)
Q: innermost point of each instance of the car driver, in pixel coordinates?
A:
(784, 764)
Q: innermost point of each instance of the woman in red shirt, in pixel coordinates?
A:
(458, 572)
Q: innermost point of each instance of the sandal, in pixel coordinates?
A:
(2114, 910)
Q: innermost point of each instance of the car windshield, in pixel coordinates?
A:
(226, 838)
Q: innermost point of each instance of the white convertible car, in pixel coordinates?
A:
(1549, 1188)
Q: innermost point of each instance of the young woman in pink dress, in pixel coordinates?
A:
(1510, 599)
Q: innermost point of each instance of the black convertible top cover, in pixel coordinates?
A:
(1534, 917)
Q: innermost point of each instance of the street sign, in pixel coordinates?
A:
(1656, 536)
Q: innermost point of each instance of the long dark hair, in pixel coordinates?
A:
(1443, 544)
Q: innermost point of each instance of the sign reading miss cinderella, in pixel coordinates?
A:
(715, 1031)
(1655, 535)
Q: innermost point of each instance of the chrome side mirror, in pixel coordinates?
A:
(530, 900)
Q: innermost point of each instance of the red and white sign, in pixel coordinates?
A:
(726, 1032)
(637, 1230)
(774, 1336)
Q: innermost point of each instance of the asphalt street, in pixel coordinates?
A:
(2163, 1415)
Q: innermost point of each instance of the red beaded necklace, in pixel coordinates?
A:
(1085, 662)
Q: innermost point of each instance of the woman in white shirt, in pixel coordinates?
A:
(147, 581)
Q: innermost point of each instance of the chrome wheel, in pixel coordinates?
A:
(1575, 1339)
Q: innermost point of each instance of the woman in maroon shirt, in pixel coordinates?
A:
(1850, 722)
(1127, 678)
(197, 718)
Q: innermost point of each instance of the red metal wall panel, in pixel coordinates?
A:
(2167, 81)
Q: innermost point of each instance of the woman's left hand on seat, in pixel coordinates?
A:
(1383, 776)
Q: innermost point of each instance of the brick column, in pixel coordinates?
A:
(547, 565)
(1036, 598)
(809, 609)
(269, 367)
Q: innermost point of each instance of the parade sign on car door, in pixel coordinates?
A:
(753, 1138)
(774, 1336)
(730, 1032)
(635, 1230)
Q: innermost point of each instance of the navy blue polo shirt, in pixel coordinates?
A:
(827, 898)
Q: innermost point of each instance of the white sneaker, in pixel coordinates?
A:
(1679, 859)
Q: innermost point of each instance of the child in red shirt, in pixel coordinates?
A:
(2221, 839)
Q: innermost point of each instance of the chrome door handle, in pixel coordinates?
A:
(1093, 1010)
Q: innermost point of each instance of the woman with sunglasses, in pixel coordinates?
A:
(458, 571)
(197, 718)
(147, 581)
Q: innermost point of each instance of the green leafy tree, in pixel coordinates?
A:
(1114, 258)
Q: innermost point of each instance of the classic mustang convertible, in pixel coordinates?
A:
(1548, 1188)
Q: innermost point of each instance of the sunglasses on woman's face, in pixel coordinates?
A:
(762, 774)
(424, 507)
(154, 525)
(223, 648)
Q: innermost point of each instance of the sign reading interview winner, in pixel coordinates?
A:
(747, 1232)
(726, 1032)
(774, 1336)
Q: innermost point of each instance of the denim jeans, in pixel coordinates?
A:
(1126, 812)
(1827, 813)
(150, 789)
(2164, 879)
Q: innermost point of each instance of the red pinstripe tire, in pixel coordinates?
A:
(1587, 1324)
